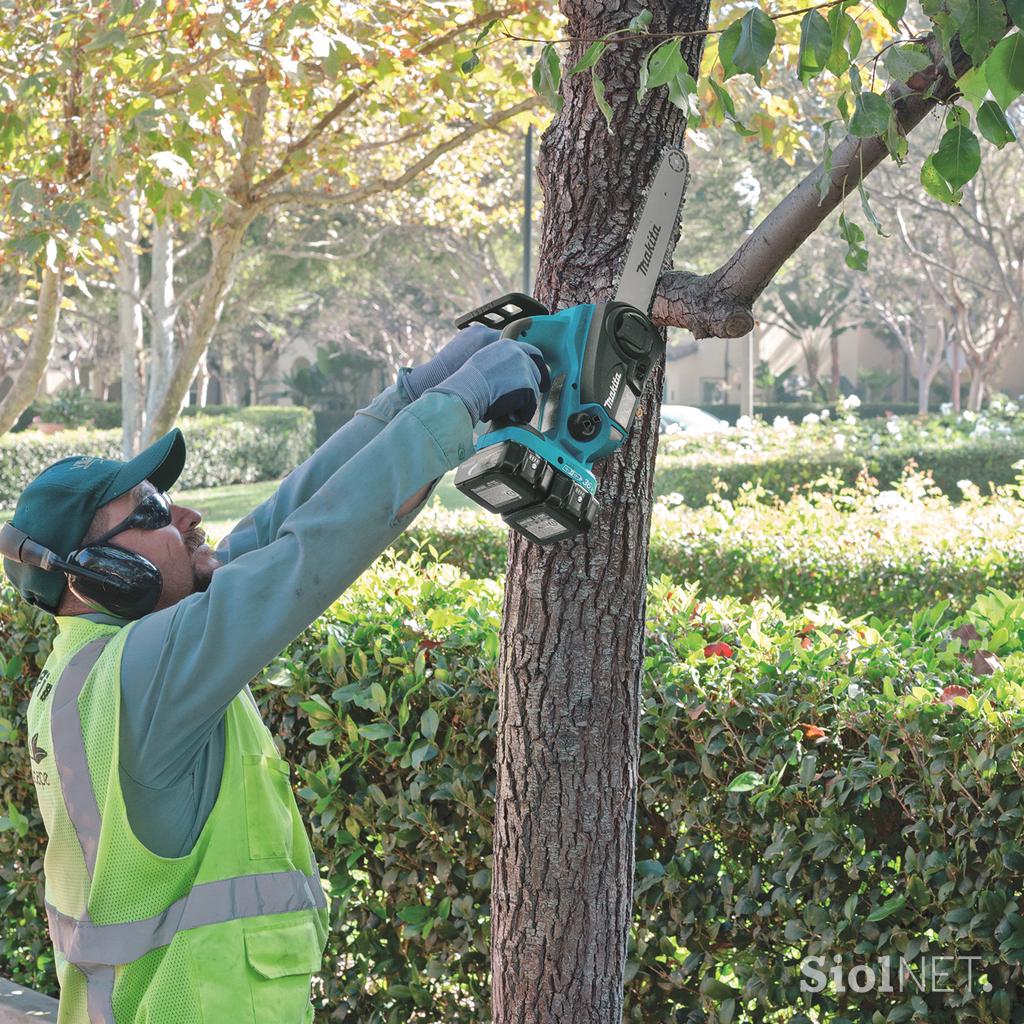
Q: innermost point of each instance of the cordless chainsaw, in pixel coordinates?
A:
(537, 476)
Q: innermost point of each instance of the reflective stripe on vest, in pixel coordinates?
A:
(276, 892)
(69, 751)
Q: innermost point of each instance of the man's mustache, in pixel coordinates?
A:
(194, 539)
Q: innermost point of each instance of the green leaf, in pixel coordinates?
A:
(745, 781)
(982, 27)
(321, 737)
(892, 10)
(1004, 69)
(851, 233)
(682, 92)
(729, 108)
(868, 211)
(1015, 9)
(602, 104)
(903, 61)
(547, 76)
(935, 185)
(957, 115)
(888, 908)
(662, 64)
(958, 156)
(815, 45)
(870, 115)
(640, 21)
(589, 59)
(846, 40)
(414, 915)
(650, 869)
(429, 722)
(746, 44)
(470, 64)
(377, 731)
(993, 125)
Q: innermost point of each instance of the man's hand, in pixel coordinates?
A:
(504, 381)
(465, 344)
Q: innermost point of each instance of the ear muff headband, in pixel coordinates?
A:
(108, 578)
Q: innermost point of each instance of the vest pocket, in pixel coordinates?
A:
(268, 806)
(282, 960)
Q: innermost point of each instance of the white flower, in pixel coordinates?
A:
(945, 409)
(853, 690)
(981, 428)
(893, 426)
(969, 415)
(850, 402)
(782, 423)
(826, 413)
(812, 417)
(850, 419)
(1011, 408)
(745, 423)
(839, 440)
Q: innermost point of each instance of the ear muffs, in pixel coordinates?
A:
(114, 580)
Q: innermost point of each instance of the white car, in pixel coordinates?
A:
(688, 419)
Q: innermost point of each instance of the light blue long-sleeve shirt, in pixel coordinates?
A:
(285, 563)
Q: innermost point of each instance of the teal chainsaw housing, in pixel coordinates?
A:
(538, 475)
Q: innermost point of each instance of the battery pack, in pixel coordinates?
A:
(504, 477)
(567, 510)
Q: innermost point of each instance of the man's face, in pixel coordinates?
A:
(178, 550)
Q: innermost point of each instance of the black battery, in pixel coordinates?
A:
(505, 476)
(568, 510)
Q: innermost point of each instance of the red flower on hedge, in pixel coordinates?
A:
(950, 692)
(718, 650)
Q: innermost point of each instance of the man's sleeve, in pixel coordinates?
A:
(183, 665)
(260, 526)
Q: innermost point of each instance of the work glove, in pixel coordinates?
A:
(502, 381)
(465, 344)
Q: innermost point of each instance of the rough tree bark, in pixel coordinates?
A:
(572, 644)
(33, 369)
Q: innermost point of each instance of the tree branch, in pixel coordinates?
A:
(378, 185)
(719, 304)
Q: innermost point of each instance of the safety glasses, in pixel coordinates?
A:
(152, 513)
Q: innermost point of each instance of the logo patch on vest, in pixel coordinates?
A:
(36, 752)
(44, 686)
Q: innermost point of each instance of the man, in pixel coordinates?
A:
(180, 882)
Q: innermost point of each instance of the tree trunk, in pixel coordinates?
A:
(573, 633)
(129, 327)
(37, 356)
(226, 243)
(161, 333)
(833, 344)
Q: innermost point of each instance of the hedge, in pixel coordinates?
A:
(783, 455)
(731, 411)
(810, 786)
(855, 548)
(255, 443)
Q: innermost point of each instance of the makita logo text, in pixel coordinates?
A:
(616, 381)
(652, 241)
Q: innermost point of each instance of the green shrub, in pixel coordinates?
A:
(258, 443)
(855, 548)
(810, 785)
(779, 457)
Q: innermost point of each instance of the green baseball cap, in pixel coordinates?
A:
(57, 508)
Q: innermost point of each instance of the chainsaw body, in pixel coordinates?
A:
(538, 475)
